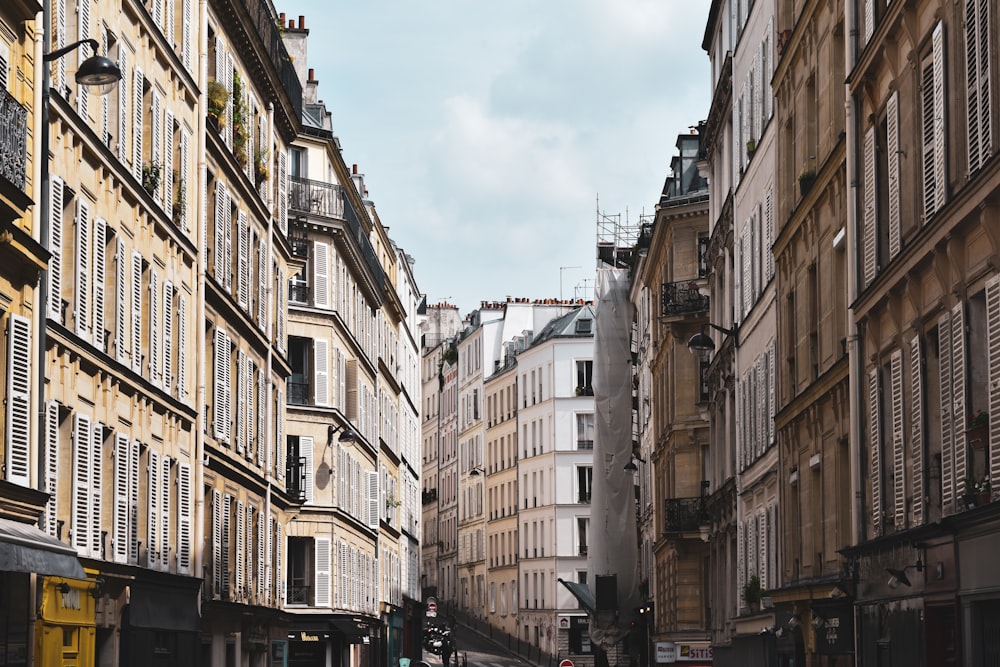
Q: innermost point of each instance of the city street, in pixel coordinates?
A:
(474, 650)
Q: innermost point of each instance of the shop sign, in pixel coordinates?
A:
(670, 652)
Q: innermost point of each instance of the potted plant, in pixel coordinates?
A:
(150, 176)
(239, 122)
(218, 98)
(806, 179)
(751, 147)
(180, 199)
(977, 432)
(752, 593)
(260, 160)
(977, 492)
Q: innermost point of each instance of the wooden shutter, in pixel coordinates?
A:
(96, 490)
(167, 345)
(940, 176)
(762, 538)
(262, 449)
(153, 513)
(282, 207)
(185, 518)
(83, 32)
(993, 363)
(892, 150)
(137, 122)
(870, 214)
(51, 453)
(958, 392)
(281, 306)
(947, 424)
(279, 438)
(184, 171)
(156, 143)
(134, 454)
(227, 81)
(243, 261)
(216, 543)
(248, 418)
(978, 85)
(898, 445)
(322, 597)
(123, 110)
(121, 299)
(168, 159)
(238, 570)
(164, 504)
(262, 283)
(373, 499)
(279, 563)
(321, 274)
(60, 34)
(220, 403)
(227, 250)
(56, 200)
(875, 441)
(82, 460)
(82, 314)
(241, 405)
(869, 26)
(18, 428)
(321, 371)
(120, 537)
(105, 131)
(916, 431)
(136, 293)
(155, 335)
(99, 276)
(218, 251)
(263, 542)
(182, 341)
(308, 478)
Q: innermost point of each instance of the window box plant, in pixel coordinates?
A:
(806, 180)
(260, 170)
(977, 492)
(751, 147)
(151, 176)
(218, 98)
(752, 593)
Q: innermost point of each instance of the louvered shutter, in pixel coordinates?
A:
(875, 441)
(220, 61)
(184, 171)
(898, 445)
(18, 428)
(216, 543)
(279, 563)
(168, 158)
(322, 597)
(225, 547)
(157, 12)
(768, 234)
(51, 467)
(279, 448)
(263, 541)
(218, 252)
(870, 215)
(123, 110)
(136, 293)
(993, 362)
(959, 380)
(166, 347)
(282, 207)
(83, 33)
(164, 504)
(947, 424)
(238, 570)
(56, 192)
(227, 131)
(120, 539)
(892, 148)
(869, 26)
(227, 255)
(772, 525)
(940, 182)
(82, 460)
(262, 283)
(243, 260)
(746, 255)
(248, 419)
(82, 314)
(772, 388)
(916, 431)
(220, 405)
(308, 477)
(321, 371)
(185, 536)
(250, 104)
(321, 274)
(187, 40)
(262, 449)
(763, 537)
(769, 70)
(60, 34)
(155, 355)
(373, 499)
(282, 309)
(156, 143)
(272, 560)
(134, 454)
(137, 122)
(168, 20)
(153, 495)
(182, 352)
(96, 490)
(341, 381)
(978, 85)
(241, 404)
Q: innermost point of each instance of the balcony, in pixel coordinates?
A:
(13, 141)
(300, 245)
(295, 476)
(428, 496)
(315, 198)
(684, 515)
(299, 593)
(298, 393)
(298, 292)
(683, 298)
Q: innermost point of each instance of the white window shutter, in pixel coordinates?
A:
(168, 159)
(156, 143)
(185, 518)
(121, 297)
(373, 512)
(321, 371)
(227, 130)
(959, 380)
(279, 563)
(741, 577)
(309, 479)
(940, 176)
(892, 150)
(947, 426)
(238, 571)
(321, 274)
(870, 214)
(916, 431)
(216, 543)
(82, 314)
(243, 261)
(993, 363)
(137, 122)
(123, 109)
(220, 404)
(875, 442)
(182, 353)
(136, 293)
(898, 445)
(120, 538)
(262, 296)
(241, 404)
(81, 501)
(184, 170)
(96, 490)
(155, 335)
(218, 252)
(100, 274)
(60, 35)
(262, 449)
(322, 597)
(83, 32)
(282, 206)
(187, 40)
(248, 419)
(279, 438)
(978, 85)
(281, 305)
(18, 431)
(263, 540)
(227, 251)
(164, 473)
(56, 200)
(134, 454)
(153, 511)
(51, 467)
(768, 234)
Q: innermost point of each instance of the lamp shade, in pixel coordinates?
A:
(98, 72)
(701, 342)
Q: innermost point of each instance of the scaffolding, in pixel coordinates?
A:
(617, 237)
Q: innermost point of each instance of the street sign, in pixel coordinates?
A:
(566, 663)
(432, 608)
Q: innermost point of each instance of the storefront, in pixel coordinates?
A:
(65, 630)
(688, 654)
(333, 641)
(161, 624)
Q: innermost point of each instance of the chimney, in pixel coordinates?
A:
(281, 18)
(312, 76)
(354, 169)
(302, 22)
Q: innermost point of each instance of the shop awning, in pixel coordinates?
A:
(24, 548)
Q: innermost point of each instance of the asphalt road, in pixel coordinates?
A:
(474, 650)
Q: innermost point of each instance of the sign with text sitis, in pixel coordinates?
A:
(669, 652)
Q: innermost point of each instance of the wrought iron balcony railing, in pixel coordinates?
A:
(685, 515)
(298, 292)
(13, 140)
(683, 298)
(298, 393)
(299, 593)
(315, 198)
(428, 496)
(295, 476)
(300, 245)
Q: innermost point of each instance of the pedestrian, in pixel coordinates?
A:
(446, 652)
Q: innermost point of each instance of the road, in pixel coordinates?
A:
(474, 650)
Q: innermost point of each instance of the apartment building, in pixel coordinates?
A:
(671, 401)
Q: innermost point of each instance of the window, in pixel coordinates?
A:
(582, 529)
(932, 114)
(584, 481)
(584, 378)
(584, 326)
(585, 430)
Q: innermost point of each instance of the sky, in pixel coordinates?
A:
(492, 135)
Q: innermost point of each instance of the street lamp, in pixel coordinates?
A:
(476, 472)
(702, 343)
(95, 72)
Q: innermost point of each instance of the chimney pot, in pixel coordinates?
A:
(281, 18)
(312, 74)
(354, 169)
(302, 22)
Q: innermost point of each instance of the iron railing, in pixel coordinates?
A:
(367, 251)
(682, 298)
(300, 245)
(315, 198)
(428, 496)
(298, 292)
(685, 515)
(13, 140)
(298, 393)
(295, 478)
(263, 18)
(299, 593)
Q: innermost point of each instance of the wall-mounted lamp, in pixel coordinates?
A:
(818, 621)
(64, 588)
(347, 434)
(98, 590)
(476, 471)
(95, 72)
(897, 577)
(631, 466)
(702, 344)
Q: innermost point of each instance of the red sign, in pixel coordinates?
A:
(566, 663)
(432, 607)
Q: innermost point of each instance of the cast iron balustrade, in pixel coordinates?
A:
(295, 476)
(298, 393)
(13, 140)
(264, 20)
(315, 198)
(428, 496)
(299, 592)
(685, 515)
(298, 292)
(300, 245)
(682, 298)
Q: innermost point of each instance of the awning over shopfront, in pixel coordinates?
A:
(24, 548)
(160, 607)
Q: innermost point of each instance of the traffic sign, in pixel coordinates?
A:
(566, 663)
(432, 608)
